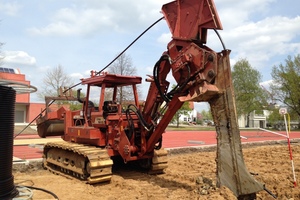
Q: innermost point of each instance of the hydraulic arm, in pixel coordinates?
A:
(201, 75)
(101, 132)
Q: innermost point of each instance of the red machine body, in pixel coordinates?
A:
(134, 131)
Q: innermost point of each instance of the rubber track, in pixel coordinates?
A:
(97, 167)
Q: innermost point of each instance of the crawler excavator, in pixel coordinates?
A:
(98, 133)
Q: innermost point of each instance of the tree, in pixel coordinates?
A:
(274, 117)
(53, 80)
(286, 83)
(206, 115)
(248, 93)
(123, 66)
(74, 105)
(185, 108)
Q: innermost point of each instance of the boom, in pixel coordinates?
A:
(101, 132)
(201, 75)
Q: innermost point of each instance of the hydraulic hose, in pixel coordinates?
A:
(167, 97)
(139, 115)
(97, 72)
(42, 189)
(156, 76)
(179, 88)
(220, 38)
(121, 52)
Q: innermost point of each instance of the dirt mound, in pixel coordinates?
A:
(190, 175)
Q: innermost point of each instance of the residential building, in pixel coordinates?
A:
(256, 120)
(191, 116)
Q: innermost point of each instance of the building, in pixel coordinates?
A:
(191, 116)
(25, 111)
(256, 120)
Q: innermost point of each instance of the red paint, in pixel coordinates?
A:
(26, 152)
(171, 139)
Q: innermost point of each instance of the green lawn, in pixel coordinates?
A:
(190, 128)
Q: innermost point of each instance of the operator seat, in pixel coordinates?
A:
(110, 107)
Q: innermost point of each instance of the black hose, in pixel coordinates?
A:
(141, 118)
(270, 193)
(156, 76)
(35, 118)
(178, 87)
(44, 190)
(220, 39)
(167, 97)
(139, 115)
(121, 52)
(158, 147)
(130, 124)
(99, 71)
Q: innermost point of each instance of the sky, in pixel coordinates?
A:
(85, 35)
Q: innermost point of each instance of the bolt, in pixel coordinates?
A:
(210, 58)
(211, 73)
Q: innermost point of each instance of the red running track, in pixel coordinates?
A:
(171, 139)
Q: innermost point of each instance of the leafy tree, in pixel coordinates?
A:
(199, 118)
(123, 66)
(75, 105)
(54, 79)
(206, 115)
(202, 116)
(184, 110)
(248, 93)
(274, 117)
(286, 84)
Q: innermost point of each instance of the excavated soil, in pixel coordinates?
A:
(190, 175)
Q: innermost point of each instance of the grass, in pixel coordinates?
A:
(190, 128)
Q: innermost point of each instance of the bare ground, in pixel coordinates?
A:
(190, 175)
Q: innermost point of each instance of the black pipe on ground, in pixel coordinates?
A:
(7, 116)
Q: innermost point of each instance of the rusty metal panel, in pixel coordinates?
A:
(231, 169)
(186, 21)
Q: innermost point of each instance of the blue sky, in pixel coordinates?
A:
(84, 35)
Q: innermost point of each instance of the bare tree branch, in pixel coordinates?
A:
(123, 66)
(53, 80)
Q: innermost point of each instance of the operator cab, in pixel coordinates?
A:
(109, 84)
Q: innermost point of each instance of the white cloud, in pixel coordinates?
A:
(18, 58)
(77, 76)
(44, 69)
(11, 8)
(69, 21)
(266, 84)
(232, 13)
(149, 70)
(262, 40)
(165, 38)
(87, 73)
(91, 17)
(247, 32)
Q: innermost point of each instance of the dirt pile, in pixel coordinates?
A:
(189, 176)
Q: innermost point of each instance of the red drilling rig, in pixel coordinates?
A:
(97, 134)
